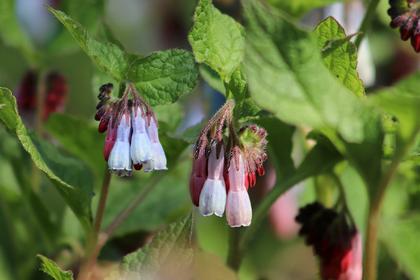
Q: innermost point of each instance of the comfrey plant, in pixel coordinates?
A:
(132, 138)
(225, 163)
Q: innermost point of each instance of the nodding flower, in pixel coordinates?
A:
(335, 240)
(225, 163)
(132, 139)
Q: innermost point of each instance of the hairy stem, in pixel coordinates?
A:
(367, 21)
(102, 201)
(233, 261)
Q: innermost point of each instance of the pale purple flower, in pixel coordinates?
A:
(119, 161)
(213, 194)
(141, 149)
(159, 158)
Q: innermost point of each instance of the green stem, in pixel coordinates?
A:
(367, 21)
(102, 201)
(233, 261)
(262, 210)
(100, 240)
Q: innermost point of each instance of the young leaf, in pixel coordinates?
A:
(287, 76)
(339, 54)
(217, 40)
(298, 8)
(51, 268)
(80, 138)
(237, 84)
(162, 77)
(169, 253)
(109, 57)
(70, 177)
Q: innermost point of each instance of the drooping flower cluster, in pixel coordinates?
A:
(132, 138)
(336, 242)
(55, 95)
(225, 164)
(404, 14)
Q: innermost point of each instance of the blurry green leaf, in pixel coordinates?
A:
(217, 39)
(211, 77)
(109, 57)
(10, 31)
(401, 238)
(167, 201)
(339, 54)
(162, 77)
(249, 110)
(168, 116)
(190, 134)
(298, 8)
(80, 138)
(85, 12)
(281, 62)
(279, 145)
(69, 176)
(208, 266)
(51, 268)
(169, 253)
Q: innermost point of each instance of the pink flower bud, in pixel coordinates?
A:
(355, 268)
(238, 206)
(198, 176)
(213, 194)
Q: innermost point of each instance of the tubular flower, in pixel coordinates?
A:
(404, 14)
(132, 138)
(225, 164)
(336, 242)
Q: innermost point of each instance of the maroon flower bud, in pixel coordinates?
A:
(26, 94)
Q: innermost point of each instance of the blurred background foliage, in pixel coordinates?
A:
(39, 42)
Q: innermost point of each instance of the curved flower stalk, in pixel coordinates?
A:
(225, 163)
(335, 240)
(132, 139)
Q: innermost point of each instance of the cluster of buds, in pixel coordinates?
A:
(132, 138)
(55, 97)
(225, 164)
(404, 14)
(335, 241)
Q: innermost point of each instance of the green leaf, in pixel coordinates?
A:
(85, 12)
(211, 77)
(298, 8)
(11, 32)
(248, 110)
(80, 138)
(109, 57)
(169, 253)
(401, 238)
(168, 116)
(190, 134)
(162, 77)
(287, 76)
(237, 84)
(51, 268)
(339, 54)
(217, 39)
(70, 177)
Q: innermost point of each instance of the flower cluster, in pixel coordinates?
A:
(225, 164)
(55, 97)
(336, 242)
(404, 14)
(132, 138)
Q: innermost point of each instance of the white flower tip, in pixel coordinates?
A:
(213, 198)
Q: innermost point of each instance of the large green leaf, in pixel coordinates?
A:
(162, 77)
(80, 138)
(298, 8)
(287, 76)
(70, 177)
(217, 39)
(109, 57)
(401, 238)
(51, 268)
(339, 54)
(169, 253)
